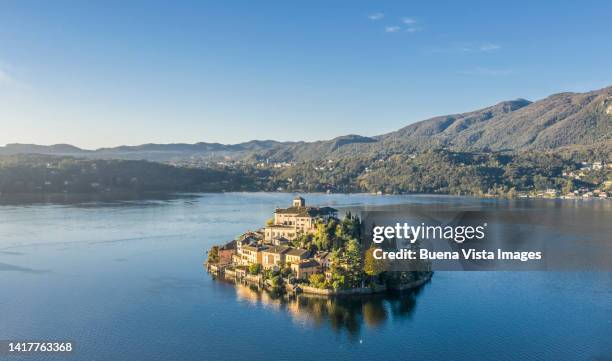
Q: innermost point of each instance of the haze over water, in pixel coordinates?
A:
(125, 281)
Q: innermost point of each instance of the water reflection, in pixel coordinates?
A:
(5, 267)
(109, 199)
(342, 314)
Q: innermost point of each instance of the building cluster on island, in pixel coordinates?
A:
(308, 249)
(270, 247)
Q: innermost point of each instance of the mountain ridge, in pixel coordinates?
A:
(559, 121)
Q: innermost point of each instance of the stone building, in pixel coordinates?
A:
(274, 257)
(305, 268)
(297, 219)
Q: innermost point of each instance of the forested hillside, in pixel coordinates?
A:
(49, 174)
(434, 171)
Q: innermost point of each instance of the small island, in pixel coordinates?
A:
(310, 250)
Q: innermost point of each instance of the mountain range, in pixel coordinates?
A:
(563, 121)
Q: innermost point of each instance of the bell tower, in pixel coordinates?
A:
(299, 202)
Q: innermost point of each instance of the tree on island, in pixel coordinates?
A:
(338, 271)
(255, 268)
(352, 256)
(213, 255)
(324, 234)
(372, 266)
(318, 280)
(347, 266)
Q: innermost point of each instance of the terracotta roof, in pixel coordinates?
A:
(297, 252)
(229, 245)
(251, 236)
(308, 263)
(277, 249)
(281, 226)
(323, 255)
(255, 248)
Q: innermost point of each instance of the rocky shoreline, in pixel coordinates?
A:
(286, 287)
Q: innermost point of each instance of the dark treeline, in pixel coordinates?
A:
(435, 171)
(440, 171)
(48, 174)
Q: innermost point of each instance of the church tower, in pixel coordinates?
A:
(299, 202)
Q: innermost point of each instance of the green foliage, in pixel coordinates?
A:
(318, 280)
(462, 173)
(302, 240)
(213, 255)
(441, 171)
(324, 234)
(568, 187)
(48, 174)
(354, 263)
(371, 265)
(393, 170)
(255, 268)
(349, 228)
(276, 281)
(338, 272)
(329, 235)
(347, 266)
(338, 281)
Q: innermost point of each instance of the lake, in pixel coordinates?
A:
(125, 281)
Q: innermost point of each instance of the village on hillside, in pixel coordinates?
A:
(307, 249)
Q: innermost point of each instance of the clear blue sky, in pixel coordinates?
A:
(130, 72)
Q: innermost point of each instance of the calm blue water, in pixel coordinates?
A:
(125, 281)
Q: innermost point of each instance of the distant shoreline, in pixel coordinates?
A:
(126, 196)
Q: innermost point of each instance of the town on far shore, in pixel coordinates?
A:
(311, 250)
